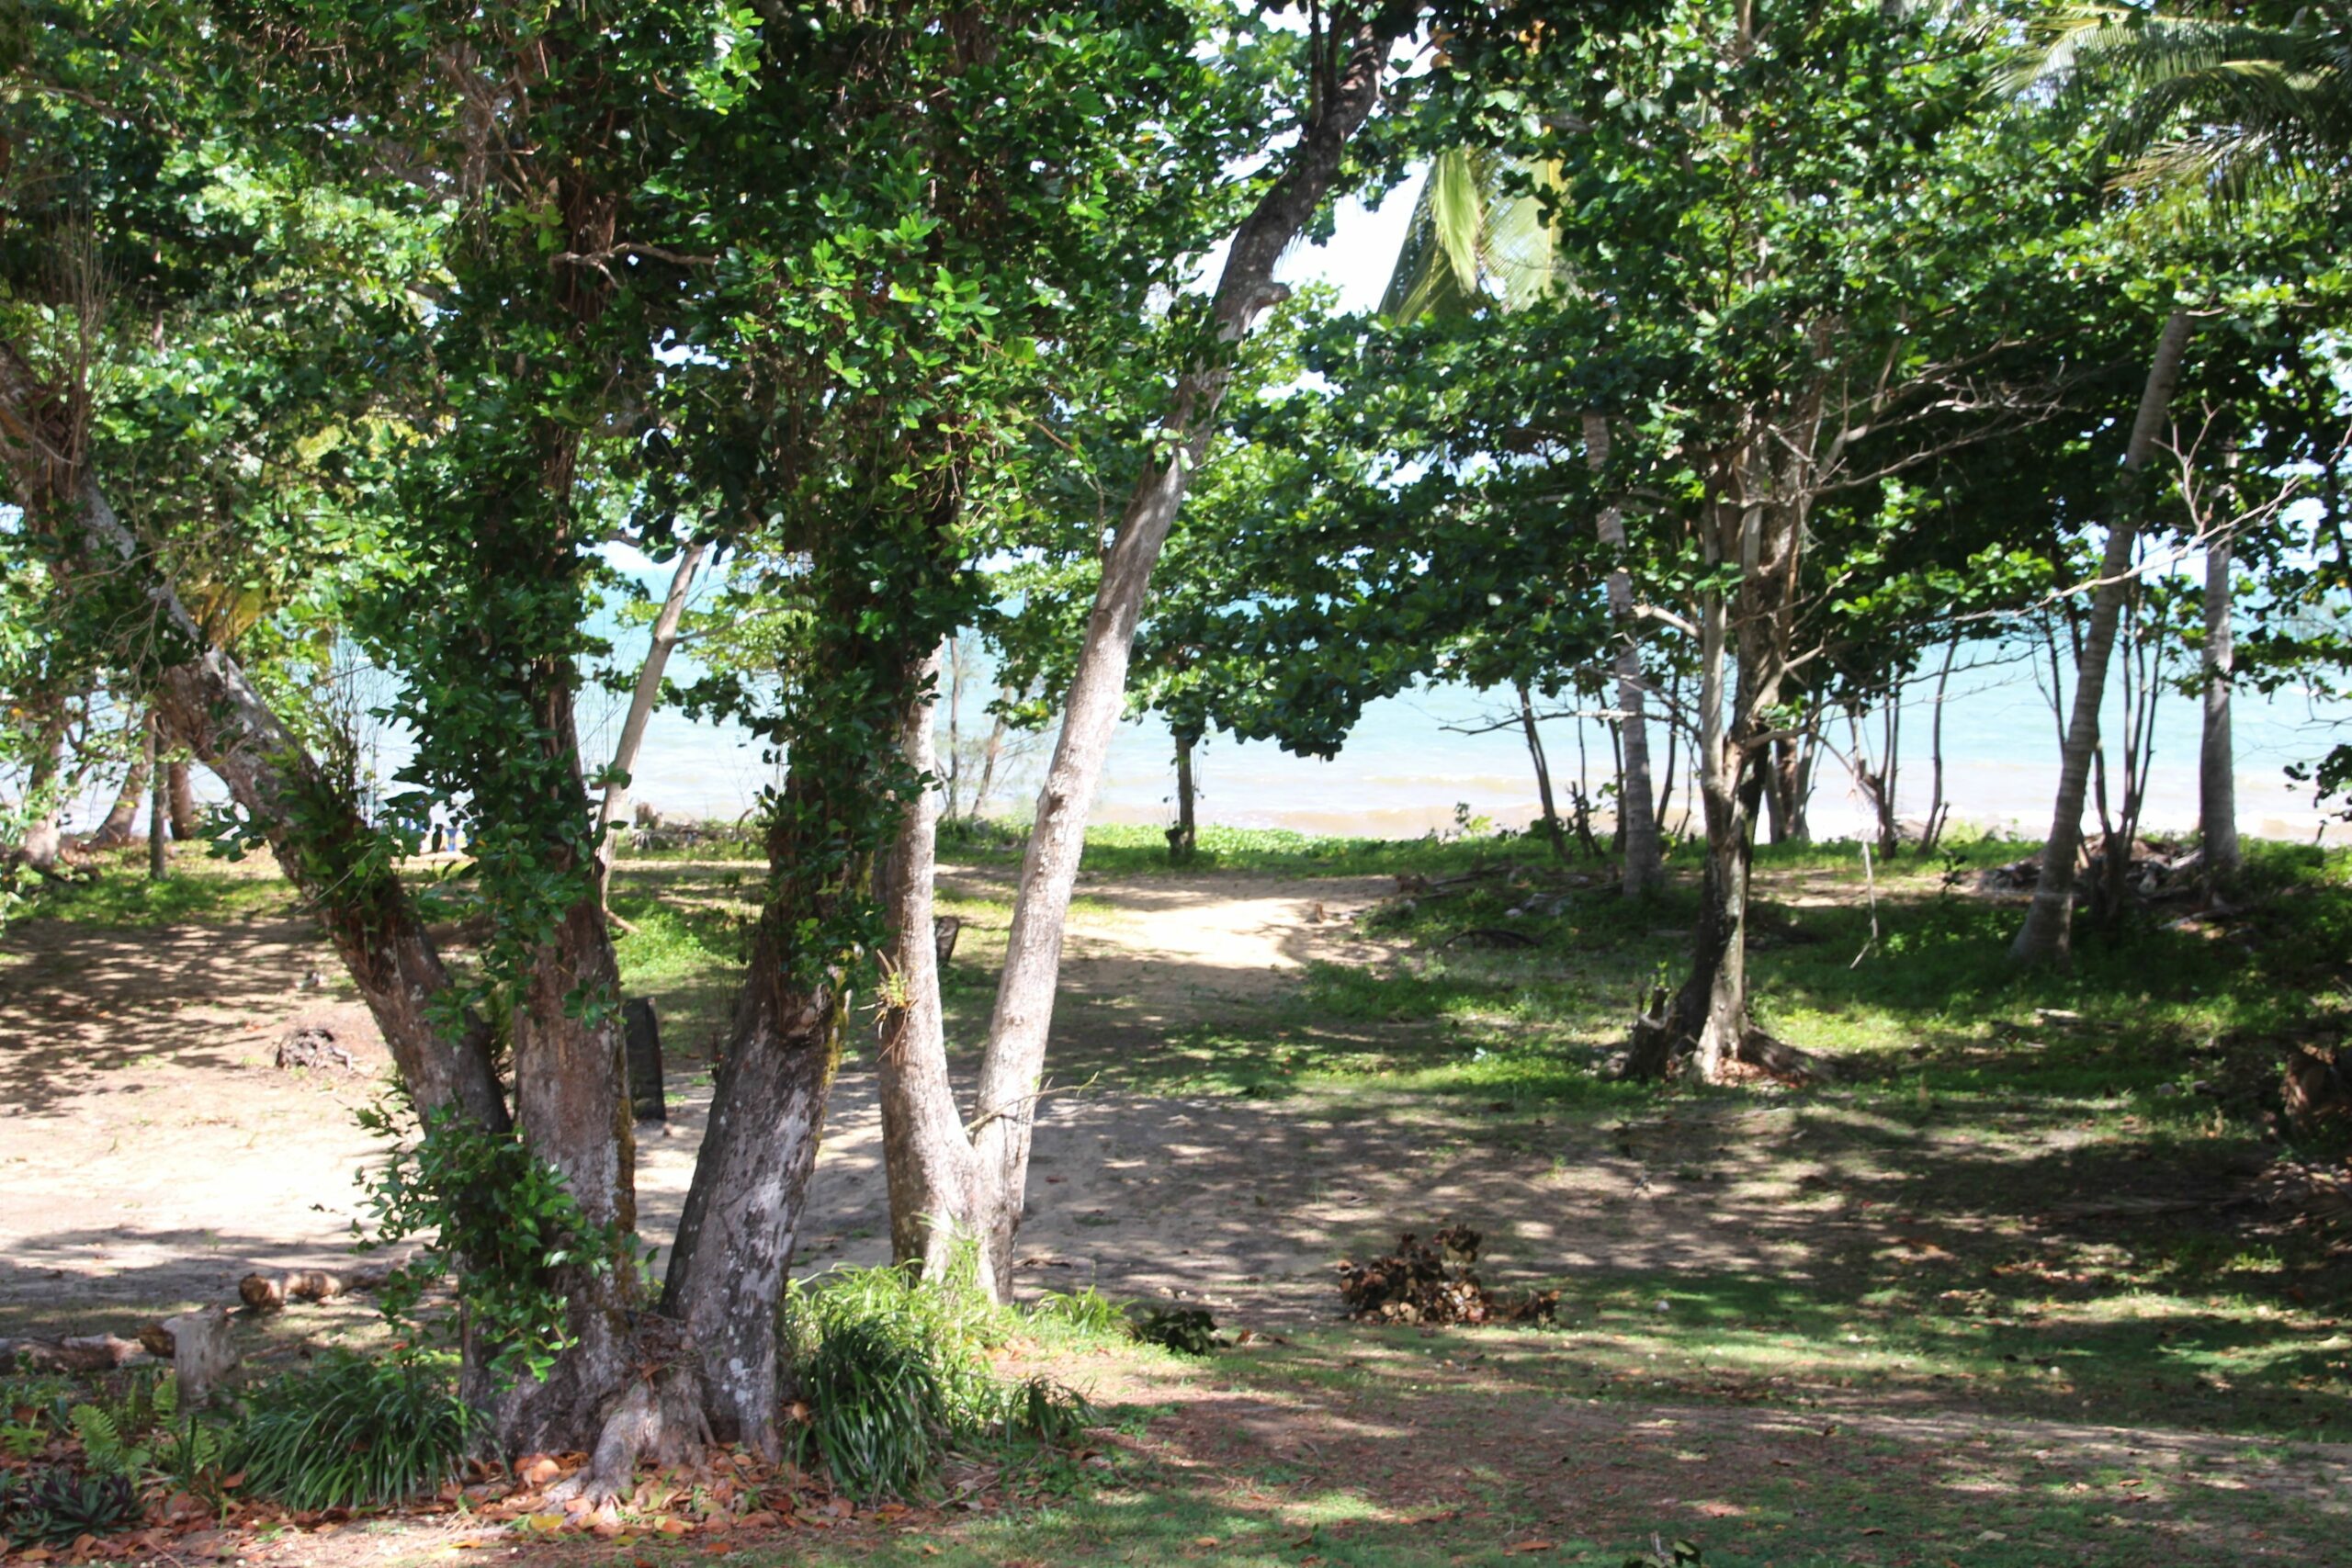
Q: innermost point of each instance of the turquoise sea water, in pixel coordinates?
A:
(1408, 764)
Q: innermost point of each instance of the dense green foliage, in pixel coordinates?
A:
(353, 1432)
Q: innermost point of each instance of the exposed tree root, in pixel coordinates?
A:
(1659, 1048)
(658, 1418)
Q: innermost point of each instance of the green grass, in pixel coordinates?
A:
(199, 889)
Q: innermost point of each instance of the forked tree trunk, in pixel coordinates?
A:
(615, 810)
(1644, 870)
(1932, 834)
(2048, 932)
(1013, 1067)
(2217, 788)
(324, 847)
(743, 1212)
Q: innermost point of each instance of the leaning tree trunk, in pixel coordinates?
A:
(1013, 1067)
(2217, 789)
(1644, 870)
(640, 711)
(326, 850)
(2047, 933)
(122, 818)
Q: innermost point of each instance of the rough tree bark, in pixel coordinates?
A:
(988, 1210)
(179, 792)
(313, 827)
(2217, 788)
(1644, 870)
(1184, 839)
(44, 836)
(640, 710)
(2048, 931)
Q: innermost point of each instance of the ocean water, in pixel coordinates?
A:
(1416, 762)
(1414, 758)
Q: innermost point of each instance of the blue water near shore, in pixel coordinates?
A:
(1410, 764)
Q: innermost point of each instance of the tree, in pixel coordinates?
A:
(956, 1179)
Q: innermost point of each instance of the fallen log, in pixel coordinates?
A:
(270, 1292)
(74, 1353)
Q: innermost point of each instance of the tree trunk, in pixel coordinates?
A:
(123, 818)
(1932, 834)
(181, 792)
(926, 1151)
(1013, 1067)
(2047, 933)
(159, 863)
(640, 709)
(1644, 870)
(1787, 784)
(44, 835)
(2217, 790)
(742, 1214)
(1552, 829)
(1183, 839)
(326, 850)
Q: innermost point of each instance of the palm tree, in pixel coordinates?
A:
(1479, 239)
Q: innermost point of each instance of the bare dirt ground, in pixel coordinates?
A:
(151, 1153)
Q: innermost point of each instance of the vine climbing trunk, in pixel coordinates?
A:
(2048, 932)
(1351, 62)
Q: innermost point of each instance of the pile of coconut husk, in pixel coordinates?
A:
(1435, 1281)
(2158, 870)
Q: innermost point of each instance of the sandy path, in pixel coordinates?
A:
(152, 1153)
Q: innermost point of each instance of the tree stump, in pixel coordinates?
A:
(202, 1351)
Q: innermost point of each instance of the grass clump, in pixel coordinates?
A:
(353, 1432)
(894, 1377)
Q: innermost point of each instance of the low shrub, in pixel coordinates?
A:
(892, 1376)
(57, 1505)
(353, 1432)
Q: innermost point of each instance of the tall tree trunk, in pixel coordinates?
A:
(1552, 829)
(2217, 788)
(1644, 870)
(1013, 1066)
(2047, 934)
(926, 1151)
(158, 856)
(615, 810)
(181, 792)
(1932, 835)
(1184, 839)
(313, 827)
